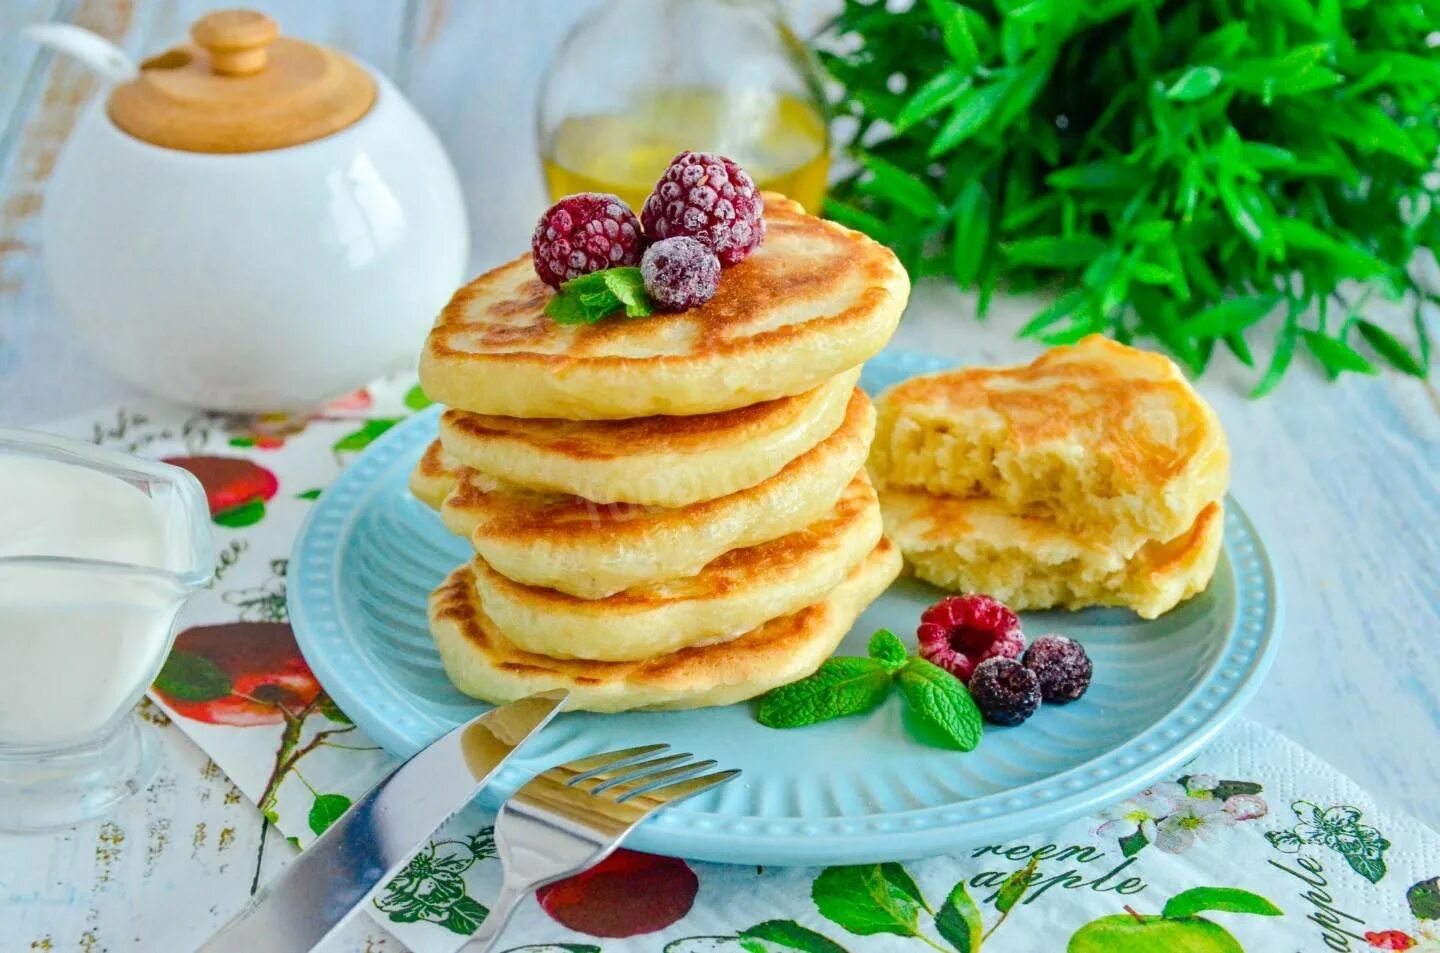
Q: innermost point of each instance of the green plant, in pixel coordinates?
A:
(1177, 170)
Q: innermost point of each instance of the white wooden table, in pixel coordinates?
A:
(1343, 479)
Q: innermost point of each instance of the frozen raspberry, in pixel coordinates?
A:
(584, 233)
(1061, 665)
(710, 198)
(959, 632)
(680, 273)
(1006, 692)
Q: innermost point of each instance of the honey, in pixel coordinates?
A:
(780, 140)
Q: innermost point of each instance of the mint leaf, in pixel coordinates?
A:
(565, 309)
(787, 935)
(1015, 886)
(1221, 899)
(188, 677)
(589, 298)
(327, 810)
(628, 287)
(888, 650)
(940, 706)
(864, 900)
(959, 921)
(841, 686)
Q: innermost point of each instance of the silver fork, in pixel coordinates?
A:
(574, 815)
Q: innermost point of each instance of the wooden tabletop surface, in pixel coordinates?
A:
(1343, 478)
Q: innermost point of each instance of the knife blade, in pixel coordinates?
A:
(379, 834)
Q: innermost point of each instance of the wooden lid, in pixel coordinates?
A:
(241, 87)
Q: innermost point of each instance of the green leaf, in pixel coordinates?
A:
(972, 232)
(858, 219)
(369, 431)
(415, 398)
(566, 309)
(239, 517)
(959, 922)
(1102, 175)
(1371, 868)
(842, 686)
(1424, 899)
(788, 935)
(1230, 316)
(1197, 82)
(1132, 844)
(310, 495)
(889, 181)
(465, 916)
(188, 677)
(1280, 360)
(331, 711)
(940, 91)
(940, 706)
(1015, 886)
(888, 650)
(1390, 348)
(1219, 899)
(959, 41)
(1335, 355)
(865, 901)
(326, 811)
(1056, 251)
(969, 113)
(598, 295)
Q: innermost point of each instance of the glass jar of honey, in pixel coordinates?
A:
(640, 80)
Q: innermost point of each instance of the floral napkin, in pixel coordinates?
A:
(1255, 846)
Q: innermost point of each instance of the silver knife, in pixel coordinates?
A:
(376, 838)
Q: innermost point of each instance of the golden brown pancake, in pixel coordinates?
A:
(814, 300)
(658, 461)
(592, 551)
(482, 663)
(730, 595)
(1031, 562)
(1099, 437)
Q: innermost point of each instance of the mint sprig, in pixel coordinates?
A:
(841, 686)
(939, 708)
(589, 298)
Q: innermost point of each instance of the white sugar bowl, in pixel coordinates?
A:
(249, 222)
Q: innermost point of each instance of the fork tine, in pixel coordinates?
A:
(624, 787)
(599, 779)
(581, 768)
(680, 790)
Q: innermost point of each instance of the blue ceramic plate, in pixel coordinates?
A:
(850, 791)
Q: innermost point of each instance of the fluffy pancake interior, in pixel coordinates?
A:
(481, 662)
(1030, 562)
(592, 551)
(1098, 436)
(815, 299)
(657, 461)
(730, 595)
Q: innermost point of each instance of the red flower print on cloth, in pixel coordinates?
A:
(1389, 940)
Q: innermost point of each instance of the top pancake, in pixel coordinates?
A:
(1099, 437)
(814, 300)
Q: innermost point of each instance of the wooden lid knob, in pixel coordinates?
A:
(237, 40)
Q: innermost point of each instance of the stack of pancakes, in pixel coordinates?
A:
(667, 512)
(1093, 476)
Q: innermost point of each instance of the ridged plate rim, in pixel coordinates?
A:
(391, 718)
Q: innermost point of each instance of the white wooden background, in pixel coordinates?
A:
(1343, 479)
